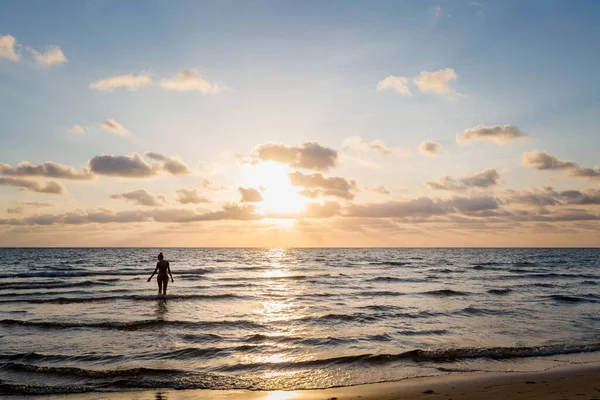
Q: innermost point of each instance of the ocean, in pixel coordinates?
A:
(86, 320)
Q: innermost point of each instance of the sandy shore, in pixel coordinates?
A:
(572, 382)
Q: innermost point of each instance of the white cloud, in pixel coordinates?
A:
(499, 134)
(437, 82)
(77, 129)
(189, 80)
(377, 146)
(115, 127)
(141, 197)
(250, 195)
(172, 165)
(396, 83)
(47, 170)
(53, 55)
(129, 81)
(430, 148)
(185, 196)
(129, 166)
(379, 190)
(49, 187)
(544, 161)
(310, 155)
(316, 185)
(485, 179)
(7, 48)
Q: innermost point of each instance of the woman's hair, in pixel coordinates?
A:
(161, 256)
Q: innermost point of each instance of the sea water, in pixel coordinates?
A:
(81, 320)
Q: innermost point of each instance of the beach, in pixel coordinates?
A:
(571, 382)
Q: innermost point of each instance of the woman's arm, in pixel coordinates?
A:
(169, 269)
(155, 269)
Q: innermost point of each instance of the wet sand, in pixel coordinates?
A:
(572, 382)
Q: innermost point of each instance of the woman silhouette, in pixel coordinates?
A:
(162, 266)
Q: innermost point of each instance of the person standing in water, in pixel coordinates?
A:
(162, 266)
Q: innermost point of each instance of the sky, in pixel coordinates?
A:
(300, 123)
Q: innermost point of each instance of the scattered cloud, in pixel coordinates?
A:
(250, 195)
(377, 146)
(547, 196)
(476, 4)
(396, 83)
(47, 170)
(52, 55)
(76, 129)
(8, 45)
(15, 210)
(115, 127)
(129, 81)
(36, 204)
(189, 80)
(437, 14)
(379, 190)
(185, 196)
(172, 165)
(430, 148)
(49, 187)
(310, 155)
(424, 207)
(544, 161)
(210, 185)
(141, 198)
(482, 180)
(316, 185)
(437, 82)
(499, 134)
(129, 166)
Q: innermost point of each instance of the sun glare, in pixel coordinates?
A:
(271, 178)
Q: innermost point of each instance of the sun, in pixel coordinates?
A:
(271, 178)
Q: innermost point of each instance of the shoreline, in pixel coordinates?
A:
(565, 382)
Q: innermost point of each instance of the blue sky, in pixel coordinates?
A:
(292, 72)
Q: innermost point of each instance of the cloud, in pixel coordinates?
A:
(317, 185)
(47, 170)
(476, 4)
(310, 155)
(245, 212)
(129, 81)
(7, 48)
(547, 196)
(172, 165)
(250, 195)
(189, 80)
(129, 166)
(430, 148)
(396, 83)
(77, 129)
(185, 196)
(378, 189)
(53, 55)
(327, 209)
(499, 134)
(377, 146)
(36, 204)
(209, 185)
(113, 126)
(16, 210)
(437, 82)
(141, 198)
(544, 161)
(423, 207)
(49, 187)
(485, 179)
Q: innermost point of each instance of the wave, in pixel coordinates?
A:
(56, 284)
(572, 299)
(437, 355)
(134, 325)
(445, 292)
(390, 263)
(133, 297)
(112, 272)
(500, 292)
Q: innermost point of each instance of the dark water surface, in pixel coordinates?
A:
(77, 320)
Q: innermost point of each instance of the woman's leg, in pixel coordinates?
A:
(159, 281)
(165, 284)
